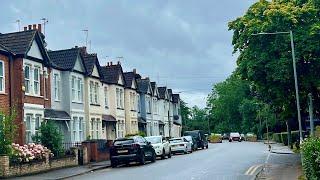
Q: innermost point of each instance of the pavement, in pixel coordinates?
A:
(222, 161)
(67, 172)
(281, 164)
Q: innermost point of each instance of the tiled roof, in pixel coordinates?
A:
(64, 59)
(170, 93)
(175, 98)
(56, 114)
(153, 85)
(129, 78)
(18, 42)
(143, 85)
(89, 61)
(162, 92)
(110, 74)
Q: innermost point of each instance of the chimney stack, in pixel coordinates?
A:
(134, 71)
(110, 63)
(29, 27)
(39, 28)
(107, 63)
(34, 27)
(118, 62)
(25, 28)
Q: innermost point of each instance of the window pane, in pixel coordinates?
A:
(1, 69)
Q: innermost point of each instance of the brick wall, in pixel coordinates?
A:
(5, 98)
(35, 167)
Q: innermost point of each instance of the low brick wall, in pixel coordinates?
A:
(7, 170)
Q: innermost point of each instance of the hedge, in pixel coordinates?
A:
(283, 137)
(214, 138)
(311, 158)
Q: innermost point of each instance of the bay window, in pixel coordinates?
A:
(27, 76)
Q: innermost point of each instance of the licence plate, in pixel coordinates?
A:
(122, 151)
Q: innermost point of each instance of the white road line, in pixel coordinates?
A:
(249, 170)
(254, 170)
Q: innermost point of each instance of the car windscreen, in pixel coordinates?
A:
(234, 134)
(154, 140)
(189, 138)
(175, 140)
(123, 141)
(193, 134)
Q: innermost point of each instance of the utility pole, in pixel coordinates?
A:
(44, 22)
(311, 114)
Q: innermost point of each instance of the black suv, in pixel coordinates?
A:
(199, 136)
(131, 149)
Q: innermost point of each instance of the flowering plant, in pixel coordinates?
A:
(29, 152)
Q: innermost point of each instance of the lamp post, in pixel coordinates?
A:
(294, 74)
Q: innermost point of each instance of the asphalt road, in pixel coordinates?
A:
(221, 161)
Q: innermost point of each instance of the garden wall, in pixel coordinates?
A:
(7, 170)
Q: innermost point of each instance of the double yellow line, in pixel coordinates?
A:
(253, 169)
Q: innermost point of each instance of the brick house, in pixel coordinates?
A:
(28, 78)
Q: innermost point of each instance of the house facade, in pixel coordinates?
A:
(130, 98)
(28, 80)
(157, 120)
(69, 74)
(164, 109)
(112, 74)
(177, 121)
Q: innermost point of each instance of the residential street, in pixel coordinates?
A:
(220, 161)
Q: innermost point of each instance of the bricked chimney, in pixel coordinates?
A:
(110, 63)
(134, 71)
(39, 28)
(119, 63)
(34, 27)
(29, 27)
(25, 28)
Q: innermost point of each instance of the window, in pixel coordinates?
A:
(121, 98)
(74, 128)
(138, 104)
(92, 127)
(81, 128)
(73, 87)
(2, 77)
(118, 97)
(91, 92)
(79, 85)
(148, 104)
(27, 76)
(97, 127)
(28, 128)
(106, 97)
(121, 128)
(36, 81)
(132, 101)
(56, 79)
(37, 123)
(96, 90)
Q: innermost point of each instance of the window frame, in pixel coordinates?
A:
(36, 81)
(56, 79)
(27, 85)
(3, 78)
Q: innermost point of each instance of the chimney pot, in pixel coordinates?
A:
(39, 28)
(107, 63)
(25, 28)
(29, 27)
(110, 63)
(134, 71)
(75, 46)
(34, 27)
(118, 62)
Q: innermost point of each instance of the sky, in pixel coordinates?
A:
(182, 44)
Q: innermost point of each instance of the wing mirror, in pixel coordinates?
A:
(148, 143)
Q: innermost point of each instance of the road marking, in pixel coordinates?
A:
(249, 170)
(255, 169)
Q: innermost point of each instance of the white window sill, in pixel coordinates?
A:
(34, 95)
(57, 100)
(3, 93)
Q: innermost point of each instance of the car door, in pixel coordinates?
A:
(165, 145)
(148, 148)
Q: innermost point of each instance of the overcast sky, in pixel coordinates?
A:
(184, 45)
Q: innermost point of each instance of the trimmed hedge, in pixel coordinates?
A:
(283, 137)
(310, 149)
(214, 138)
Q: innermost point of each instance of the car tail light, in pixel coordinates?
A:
(135, 146)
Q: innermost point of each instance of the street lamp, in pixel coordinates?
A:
(294, 73)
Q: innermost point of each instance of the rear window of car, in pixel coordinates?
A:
(123, 141)
(175, 140)
(234, 134)
(189, 138)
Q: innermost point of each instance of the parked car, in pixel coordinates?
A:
(180, 145)
(215, 138)
(242, 137)
(193, 142)
(131, 149)
(225, 136)
(160, 145)
(199, 136)
(234, 136)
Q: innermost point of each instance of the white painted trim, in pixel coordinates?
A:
(33, 106)
(4, 78)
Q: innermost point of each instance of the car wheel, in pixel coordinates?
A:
(202, 147)
(230, 140)
(169, 155)
(154, 157)
(163, 156)
(207, 146)
(142, 159)
(114, 164)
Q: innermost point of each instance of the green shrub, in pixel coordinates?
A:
(50, 136)
(8, 130)
(215, 138)
(311, 158)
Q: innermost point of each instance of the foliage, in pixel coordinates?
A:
(311, 158)
(215, 138)
(8, 131)
(50, 137)
(265, 60)
(185, 115)
(30, 152)
(140, 133)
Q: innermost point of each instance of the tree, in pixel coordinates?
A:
(265, 61)
(185, 115)
(8, 130)
(50, 137)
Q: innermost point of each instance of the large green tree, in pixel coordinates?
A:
(265, 60)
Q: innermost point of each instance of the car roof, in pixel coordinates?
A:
(153, 136)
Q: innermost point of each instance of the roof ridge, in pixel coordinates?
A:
(63, 50)
(17, 32)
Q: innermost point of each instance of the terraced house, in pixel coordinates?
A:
(164, 109)
(157, 120)
(25, 78)
(112, 74)
(68, 93)
(177, 121)
(130, 96)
